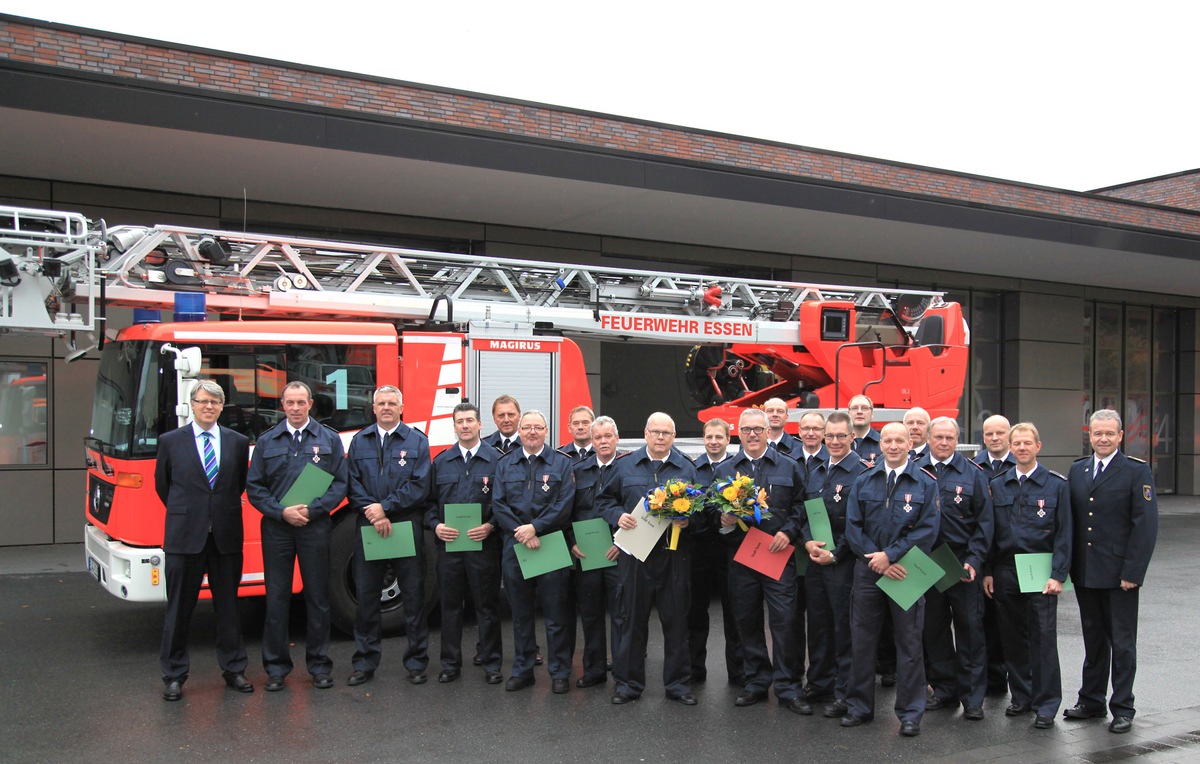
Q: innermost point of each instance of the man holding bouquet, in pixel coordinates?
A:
(782, 480)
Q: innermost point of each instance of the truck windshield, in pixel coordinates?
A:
(130, 407)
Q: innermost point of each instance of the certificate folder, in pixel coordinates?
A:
(462, 518)
(311, 484)
(922, 573)
(1033, 571)
(594, 539)
(400, 544)
(755, 554)
(551, 555)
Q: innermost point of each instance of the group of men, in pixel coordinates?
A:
(885, 492)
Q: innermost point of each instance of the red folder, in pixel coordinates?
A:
(755, 554)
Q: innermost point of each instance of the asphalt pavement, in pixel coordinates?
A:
(79, 677)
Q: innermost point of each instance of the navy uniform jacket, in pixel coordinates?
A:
(634, 478)
(788, 444)
(494, 440)
(875, 524)
(967, 523)
(569, 449)
(400, 482)
(541, 494)
(783, 479)
(276, 464)
(809, 465)
(1037, 519)
(867, 448)
(453, 483)
(588, 482)
(193, 507)
(984, 459)
(832, 482)
(1116, 522)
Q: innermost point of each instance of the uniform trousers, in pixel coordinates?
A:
(710, 575)
(954, 643)
(827, 589)
(550, 590)
(1109, 618)
(368, 619)
(664, 579)
(782, 668)
(1029, 634)
(596, 593)
(479, 573)
(282, 545)
(868, 604)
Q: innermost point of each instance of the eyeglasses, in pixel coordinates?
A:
(533, 428)
(752, 430)
(660, 433)
(860, 408)
(207, 402)
(837, 436)
(812, 429)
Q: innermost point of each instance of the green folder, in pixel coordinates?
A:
(594, 538)
(1033, 571)
(922, 574)
(401, 543)
(310, 485)
(551, 555)
(818, 522)
(944, 557)
(462, 518)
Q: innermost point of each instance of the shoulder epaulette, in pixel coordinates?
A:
(1058, 475)
(327, 427)
(622, 454)
(865, 463)
(977, 464)
(927, 472)
(1135, 459)
(1081, 459)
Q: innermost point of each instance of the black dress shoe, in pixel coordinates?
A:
(686, 699)
(621, 699)
(834, 710)
(737, 680)
(1120, 725)
(418, 676)
(446, 676)
(1083, 712)
(800, 706)
(515, 683)
(238, 682)
(816, 695)
(749, 698)
(850, 720)
(274, 684)
(360, 677)
(537, 659)
(974, 713)
(322, 681)
(493, 677)
(560, 686)
(910, 729)
(888, 679)
(590, 681)
(1017, 709)
(1043, 722)
(477, 660)
(934, 703)
(173, 690)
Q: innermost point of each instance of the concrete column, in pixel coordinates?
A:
(1188, 440)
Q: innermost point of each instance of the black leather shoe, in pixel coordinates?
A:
(749, 698)
(418, 676)
(737, 680)
(888, 680)
(560, 686)
(815, 695)
(477, 661)
(537, 659)
(800, 706)
(173, 690)
(1120, 725)
(322, 681)
(1043, 722)
(835, 710)
(515, 683)
(446, 676)
(493, 677)
(974, 713)
(1084, 712)
(274, 684)
(360, 677)
(850, 720)
(620, 699)
(686, 699)
(910, 729)
(934, 703)
(238, 682)
(1017, 709)
(590, 681)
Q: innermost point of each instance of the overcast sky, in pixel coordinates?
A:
(1069, 94)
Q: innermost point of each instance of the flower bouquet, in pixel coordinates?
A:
(740, 497)
(675, 500)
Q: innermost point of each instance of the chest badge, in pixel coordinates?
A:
(1041, 508)
(316, 454)
(837, 493)
(485, 485)
(545, 482)
(907, 502)
(958, 494)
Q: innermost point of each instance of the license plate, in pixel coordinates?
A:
(94, 568)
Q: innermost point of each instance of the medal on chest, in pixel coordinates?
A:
(485, 484)
(958, 494)
(907, 502)
(316, 455)
(545, 482)
(871, 462)
(837, 493)
(1041, 508)
(403, 461)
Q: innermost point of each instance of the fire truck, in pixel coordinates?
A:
(346, 318)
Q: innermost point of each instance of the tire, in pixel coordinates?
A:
(343, 599)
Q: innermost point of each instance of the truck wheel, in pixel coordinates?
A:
(343, 599)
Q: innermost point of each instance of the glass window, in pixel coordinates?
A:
(1137, 414)
(1162, 436)
(23, 413)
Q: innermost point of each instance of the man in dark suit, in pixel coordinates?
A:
(200, 475)
(996, 459)
(389, 482)
(1116, 526)
(296, 532)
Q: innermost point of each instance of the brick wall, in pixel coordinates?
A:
(1181, 190)
(119, 57)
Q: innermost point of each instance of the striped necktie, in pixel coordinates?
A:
(210, 459)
